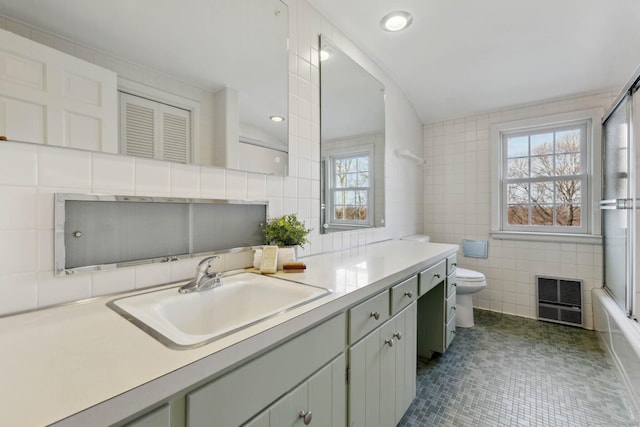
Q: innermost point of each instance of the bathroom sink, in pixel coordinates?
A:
(192, 320)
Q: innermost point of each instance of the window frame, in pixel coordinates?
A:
(589, 230)
(331, 157)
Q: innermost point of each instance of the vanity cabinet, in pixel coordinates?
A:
(382, 372)
(318, 401)
(437, 307)
(237, 396)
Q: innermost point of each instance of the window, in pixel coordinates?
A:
(350, 189)
(545, 179)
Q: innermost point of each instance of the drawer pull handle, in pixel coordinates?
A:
(409, 294)
(454, 284)
(375, 315)
(306, 417)
(453, 308)
(389, 342)
(437, 275)
(453, 264)
(398, 335)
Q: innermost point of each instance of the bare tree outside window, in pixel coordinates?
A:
(544, 178)
(351, 192)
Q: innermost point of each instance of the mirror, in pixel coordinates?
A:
(352, 143)
(223, 61)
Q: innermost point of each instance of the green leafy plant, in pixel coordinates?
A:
(287, 230)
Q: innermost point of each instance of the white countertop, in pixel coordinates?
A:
(61, 361)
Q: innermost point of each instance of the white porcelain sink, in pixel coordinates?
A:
(191, 320)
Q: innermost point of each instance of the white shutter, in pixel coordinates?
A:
(138, 126)
(154, 130)
(175, 134)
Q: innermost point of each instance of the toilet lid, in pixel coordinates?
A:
(469, 275)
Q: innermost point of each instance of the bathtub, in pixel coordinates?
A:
(621, 338)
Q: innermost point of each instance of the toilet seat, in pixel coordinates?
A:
(469, 275)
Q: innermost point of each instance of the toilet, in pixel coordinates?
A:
(468, 282)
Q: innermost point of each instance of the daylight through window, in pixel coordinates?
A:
(544, 182)
(351, 188)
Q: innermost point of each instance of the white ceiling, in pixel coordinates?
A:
(465, 57)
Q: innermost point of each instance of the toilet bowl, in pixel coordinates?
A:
(468, 282)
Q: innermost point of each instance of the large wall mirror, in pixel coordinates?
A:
(202, 82)
(352, 148)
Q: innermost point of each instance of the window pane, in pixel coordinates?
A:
(518, 168)
(542, 215)
(517, 146)
(339, 212)
(518, 193)
(542, 166)
(568, 141)
(568, 215)
(518, 214)
(352, 180)
(363, 164)
(568, 191)
(340, 165)
(363, 213)
(363, 179)
(568, 164)
(341, 180)
(542, 144)
(542, 192)
(361, 198)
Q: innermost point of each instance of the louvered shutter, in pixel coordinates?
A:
(154, 130)
(138, 126)
(175, 134)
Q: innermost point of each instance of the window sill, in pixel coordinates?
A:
(587, 239)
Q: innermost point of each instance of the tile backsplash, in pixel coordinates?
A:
(30, 174)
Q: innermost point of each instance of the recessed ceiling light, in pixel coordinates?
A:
(396, 21)
(277, 119)
(324, 55)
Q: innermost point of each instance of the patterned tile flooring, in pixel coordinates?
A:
(512, 371)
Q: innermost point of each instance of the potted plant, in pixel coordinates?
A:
(287, 230)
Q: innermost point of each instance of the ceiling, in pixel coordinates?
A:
(462, 57)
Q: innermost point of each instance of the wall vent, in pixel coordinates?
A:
(559, 300)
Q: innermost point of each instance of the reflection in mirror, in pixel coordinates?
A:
(352, 143)
(196, 83)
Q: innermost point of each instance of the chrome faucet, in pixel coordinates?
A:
(205, 278)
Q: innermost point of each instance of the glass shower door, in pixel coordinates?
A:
(615, 213)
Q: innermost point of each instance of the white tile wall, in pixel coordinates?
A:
(457, 195)
(31, 174)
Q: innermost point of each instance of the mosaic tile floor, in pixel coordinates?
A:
(511, 371)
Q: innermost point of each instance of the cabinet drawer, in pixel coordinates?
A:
(450, 332)
(450, 310)
(237, 396)
(452, 262)
(430, 277)
(363, 318)
(451, 284)
(403, 294)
